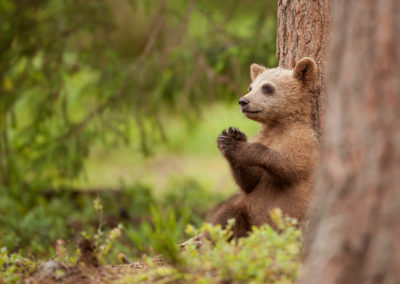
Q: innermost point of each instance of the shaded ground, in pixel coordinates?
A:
(88, 274)
(87, 269)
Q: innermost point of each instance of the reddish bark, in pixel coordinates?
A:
(303, 31)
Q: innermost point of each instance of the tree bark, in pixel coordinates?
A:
(354, 235)
(303, 30)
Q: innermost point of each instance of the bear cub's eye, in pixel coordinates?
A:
(249, 88)
(267, 89)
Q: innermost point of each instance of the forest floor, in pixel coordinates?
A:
(84, 273)
(88, 270)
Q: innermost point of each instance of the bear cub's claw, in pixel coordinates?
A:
(229, 138)
(237, 134)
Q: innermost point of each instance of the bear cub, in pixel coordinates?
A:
(275, 169)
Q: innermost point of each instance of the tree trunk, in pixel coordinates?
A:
(354, 235)
(303, 29)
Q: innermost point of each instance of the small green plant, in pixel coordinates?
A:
(103, 242)
(14, 267)
(162, 234)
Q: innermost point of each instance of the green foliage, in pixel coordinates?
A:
(184, 201)
(35, 224)
(265, 256)
(191, 201)
(14, 267)
(76, 73)
(165, 234)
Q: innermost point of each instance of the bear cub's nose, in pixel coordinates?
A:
(243, 102)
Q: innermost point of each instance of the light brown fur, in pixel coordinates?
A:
(275, 168)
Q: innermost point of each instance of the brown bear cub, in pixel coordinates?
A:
(275, 168)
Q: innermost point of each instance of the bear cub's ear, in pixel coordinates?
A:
(305, 71)
(256, 70)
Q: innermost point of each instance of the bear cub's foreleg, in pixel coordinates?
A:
(249, 160)
(229, 142)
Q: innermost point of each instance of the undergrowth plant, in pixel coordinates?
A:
(267, 255)
(14, 267)
(103, 241)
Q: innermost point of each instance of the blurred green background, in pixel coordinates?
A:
(120, 100)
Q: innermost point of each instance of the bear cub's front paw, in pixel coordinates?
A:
(237, 134)
(229, 141)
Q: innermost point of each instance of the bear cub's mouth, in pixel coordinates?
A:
(250, 111)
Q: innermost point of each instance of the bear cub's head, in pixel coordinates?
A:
(276, 94)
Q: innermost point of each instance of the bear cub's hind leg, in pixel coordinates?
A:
(231, 210)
